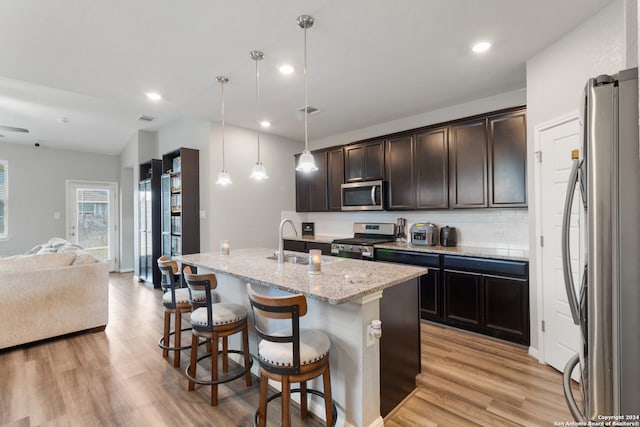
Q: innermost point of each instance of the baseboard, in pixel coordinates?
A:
(533, 352)
(125, 270)
(378, 422)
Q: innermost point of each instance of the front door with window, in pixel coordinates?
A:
(92, 220)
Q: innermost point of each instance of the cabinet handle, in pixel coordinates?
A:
(373, 195)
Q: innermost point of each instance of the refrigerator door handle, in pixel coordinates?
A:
(568, 393)
(566, 251)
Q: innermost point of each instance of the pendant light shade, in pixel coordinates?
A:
(258, 172)
(306, 163)
(223, 176)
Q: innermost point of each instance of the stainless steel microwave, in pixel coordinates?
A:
(362, 196)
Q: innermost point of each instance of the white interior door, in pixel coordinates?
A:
(92, 220)
(561, 336)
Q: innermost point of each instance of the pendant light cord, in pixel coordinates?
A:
(258, 108)
(306, 102)
(222, 114)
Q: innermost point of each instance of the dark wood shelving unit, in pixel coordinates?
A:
(181, 202)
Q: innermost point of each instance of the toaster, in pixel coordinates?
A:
(424, 234)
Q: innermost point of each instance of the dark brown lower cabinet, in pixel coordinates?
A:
(484, 295)
(487, 296)
(305, 247)
(463, 299)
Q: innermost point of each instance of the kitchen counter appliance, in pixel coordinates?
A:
(448, 236)
(424, 234)
(366, 234)
(606, 307)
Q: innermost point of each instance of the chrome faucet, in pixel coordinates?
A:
(281, 240)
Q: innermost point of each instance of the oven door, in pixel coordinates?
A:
(352, 251)
(362, 196)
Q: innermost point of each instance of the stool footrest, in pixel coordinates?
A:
(224, 378)
(334, 419)
(163, 346)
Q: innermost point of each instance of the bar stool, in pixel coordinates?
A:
(175, 300)
(212, 321)
(293, 355)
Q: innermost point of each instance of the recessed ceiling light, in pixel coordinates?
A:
(265, 123)
(153, 96)
(481, 47)
(286, 69)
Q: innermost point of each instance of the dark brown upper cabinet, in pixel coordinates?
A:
(401, 190)
(432, 169)
(364, 162)
(335, 178)
(311, 187)
(468, 164)
(507, 159)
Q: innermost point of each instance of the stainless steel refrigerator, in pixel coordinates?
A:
(607, 304)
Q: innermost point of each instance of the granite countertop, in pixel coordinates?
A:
(342, 279)
(507, 254)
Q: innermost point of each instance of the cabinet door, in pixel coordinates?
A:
(364, 162)
(468, 163)
(374, 161)
(506, 308)
(430, 295)
(432, 169)
(324, 247)
(401, 190)
(354, 163)
(294, 245)
(335, 178)
(508, 160)
(318, 183)
(463, 298)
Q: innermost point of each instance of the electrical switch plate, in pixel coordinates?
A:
(56, 215)
(371, 340)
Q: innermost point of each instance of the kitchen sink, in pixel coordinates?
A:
(292, 258)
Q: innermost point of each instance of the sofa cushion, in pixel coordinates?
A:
(36, 261)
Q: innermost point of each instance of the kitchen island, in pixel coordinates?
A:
(342, 301)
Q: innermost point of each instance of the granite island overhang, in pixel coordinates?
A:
(368, 376)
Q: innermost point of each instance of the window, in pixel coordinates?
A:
(4, 197)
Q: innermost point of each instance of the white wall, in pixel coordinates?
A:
(246, 213)
(37, 190)
(555, 79)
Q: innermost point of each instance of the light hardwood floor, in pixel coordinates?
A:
(118, 377)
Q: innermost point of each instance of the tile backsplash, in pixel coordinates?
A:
(487, 228)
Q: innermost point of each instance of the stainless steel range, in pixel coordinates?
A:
(366, 234)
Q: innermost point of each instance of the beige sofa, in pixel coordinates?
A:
(60, 290)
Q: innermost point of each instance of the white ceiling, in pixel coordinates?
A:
(369, 61)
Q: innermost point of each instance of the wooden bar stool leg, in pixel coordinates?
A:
(303, 400)
(214, 371)
(225, 355)
(262, 417)
(167, 328)
(193, 361)
(208, 345)
(286, 397)
(245, 350)
(328, 400)
(177, 338)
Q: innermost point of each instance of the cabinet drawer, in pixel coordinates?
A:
(487, 266)
(408, 257)
(294, 245)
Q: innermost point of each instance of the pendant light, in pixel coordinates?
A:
(223, 177)
(306, 162)
(258, 172)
